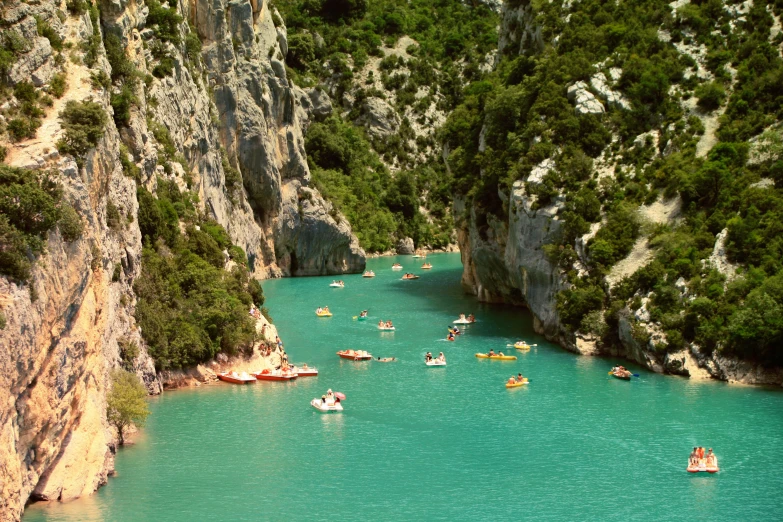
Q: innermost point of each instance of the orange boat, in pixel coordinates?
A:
(355, 355)
(275, 375)
(235, 378)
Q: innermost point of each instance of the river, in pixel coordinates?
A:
(419, 443)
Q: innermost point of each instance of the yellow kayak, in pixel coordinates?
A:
(521, 346)
(324, 314)
(516, 384)
(498, 357)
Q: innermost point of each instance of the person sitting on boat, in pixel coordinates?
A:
(461, 317)
(380, 323)
(451, 336)
(329, 394)
(520, 378)
(441, 357)
(456, 331)
(491, 352)
(512, 380)
(363, 314)
(319, 310)
(389, 324)
(471, 318)
(428, 357)
(711, 459)
(323, 400)
(693, 459)
(326, 309)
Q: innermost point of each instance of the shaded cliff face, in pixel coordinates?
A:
(224, 110)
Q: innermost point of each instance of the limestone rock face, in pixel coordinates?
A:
(519, 32)
(405, 246)
(230, 112)
(379, 117)
(505, 261)
(584, 101)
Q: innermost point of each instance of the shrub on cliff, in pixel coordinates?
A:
(126, 403)
(190, 308)
(84, 123)
(31, 204)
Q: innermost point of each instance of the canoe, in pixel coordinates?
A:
(463, 321)
(622, 376)
(385, 329)
(324, 314)
(498, 357)
(404, 278)
(325, 408)
(435, 362)
(516, 384)
(242, 378)
(362, 317)
(276, 376)
(336, 285)
(521, 346)
(355, 356)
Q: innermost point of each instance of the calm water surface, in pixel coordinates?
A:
(418, 443)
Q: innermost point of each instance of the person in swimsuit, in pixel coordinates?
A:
(520, 378)
(441, 357)
(491, 352)
(471, 318)
(428, 357)
(451, 336)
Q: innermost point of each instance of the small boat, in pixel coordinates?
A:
(463, 320)
(426, 266)
(362, 318)
(386, 359)
(386, 328)
(337, 284)
(435, 362)
(236, 378)
(623, 376)
(354, 355)
(497, 357)
(319, 405)
(306, 372)
(396, 266)
(521, 345)
(368, 273)
(275, 375)
(323, 313)
(517, 384)
(702, 467)
(409, 276)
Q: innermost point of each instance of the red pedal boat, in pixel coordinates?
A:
(236, 378)
(275, 375)
(355, 355)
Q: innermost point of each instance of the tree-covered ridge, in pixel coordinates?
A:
(330, 44)
(674, 69)
(190, 307)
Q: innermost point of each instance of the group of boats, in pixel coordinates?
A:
(288, 374)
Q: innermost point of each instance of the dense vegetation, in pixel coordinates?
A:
(330, 44)
(189, 307)
(527, 118)
(31, 204)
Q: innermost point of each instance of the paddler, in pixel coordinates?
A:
(491, 353)
(428, 357)
(520, 378)
(451, 336)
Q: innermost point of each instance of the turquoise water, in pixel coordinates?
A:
(418, 443)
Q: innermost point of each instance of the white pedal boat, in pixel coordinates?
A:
(336, 285)
(435, 362)
(385, 329)
(325, 408)
(463, 321)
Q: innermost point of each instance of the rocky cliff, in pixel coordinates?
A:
(222, 120)
(516, 252)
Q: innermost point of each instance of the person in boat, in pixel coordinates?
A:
(520, 378)
(491, 352)
(701, 453)
(471, 318)
(456, 331)
(461, 317)
(512, 380)
(693, 459)
(441, 357)
(428, 357)
(326, 309)
(319, 310)
(363, 314)
(389, 324)
(451, 336)
(329, 394)
(380, 323)
(710, 459)
(323, 400)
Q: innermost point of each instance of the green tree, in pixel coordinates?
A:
(126, 403)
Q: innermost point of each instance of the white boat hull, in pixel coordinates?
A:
(463, 321)
(435, 363)
(325, 408)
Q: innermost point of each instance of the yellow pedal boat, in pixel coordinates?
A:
(521, 346)
(516, 384)
(498, 357)
(324, 314)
